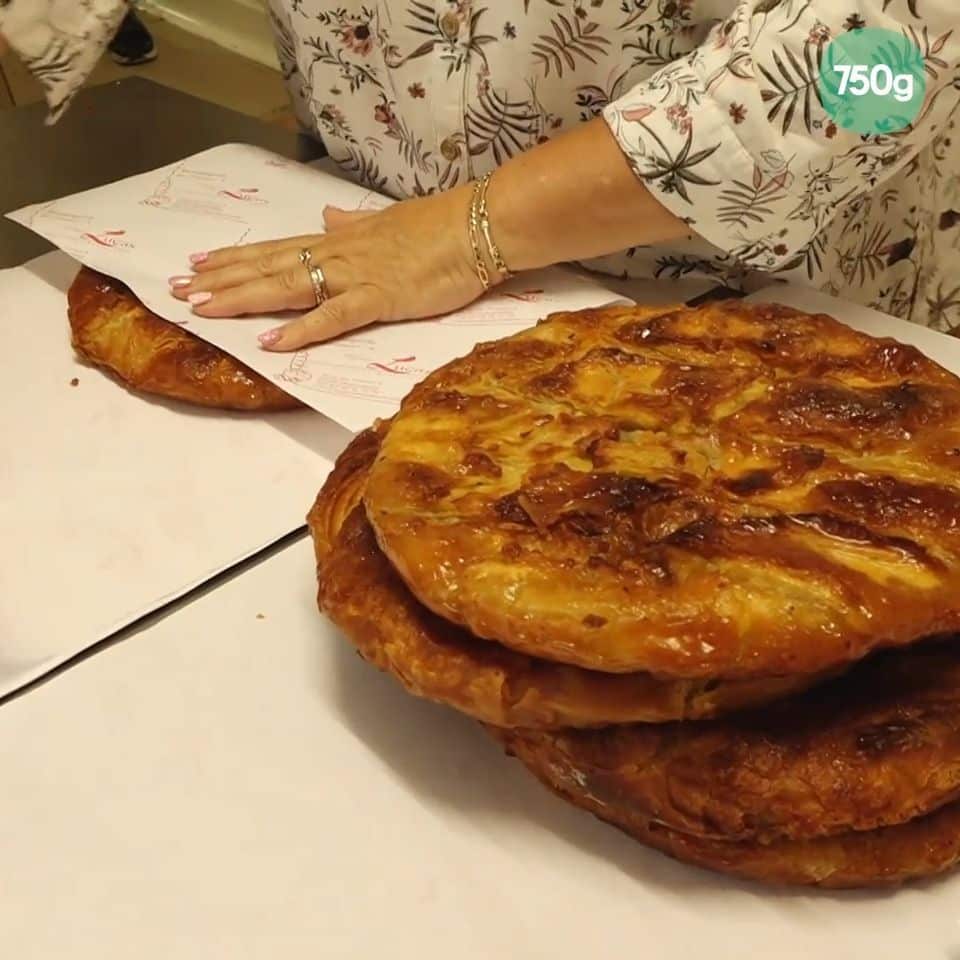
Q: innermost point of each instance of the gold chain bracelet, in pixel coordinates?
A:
(473, 226)
(495, 255)
(481, 235)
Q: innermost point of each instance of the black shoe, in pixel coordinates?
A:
(133, 43)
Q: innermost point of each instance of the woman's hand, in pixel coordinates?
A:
(410, 261)
(572, 198)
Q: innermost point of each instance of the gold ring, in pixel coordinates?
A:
(317, 279)
(319, 285)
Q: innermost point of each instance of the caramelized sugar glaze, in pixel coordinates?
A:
(441, 661)
(730, 491)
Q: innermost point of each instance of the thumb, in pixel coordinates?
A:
(335, 219)
(356, 308)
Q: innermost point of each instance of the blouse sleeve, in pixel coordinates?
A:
(733, 138)
(60, 41)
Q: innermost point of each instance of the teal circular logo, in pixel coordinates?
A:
(872, 81)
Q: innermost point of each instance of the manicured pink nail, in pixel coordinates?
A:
(177, 283)
(202, 296)
(269, 338)
(198, 257)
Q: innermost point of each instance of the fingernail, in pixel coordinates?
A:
(195, 299)
(176, 283)
(269, 338)
(198, 257)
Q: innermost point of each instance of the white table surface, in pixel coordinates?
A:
(223, 786)
(114, 503)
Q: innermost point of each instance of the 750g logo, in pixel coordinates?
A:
(872, 81)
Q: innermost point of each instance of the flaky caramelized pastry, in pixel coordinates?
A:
(438, 660)
(112, 329)
(887, 856)
(873, 748)
(730, 491)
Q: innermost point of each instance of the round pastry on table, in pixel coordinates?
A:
(636, 514)
(873, 748)
(112, 329)
(887, 856)
(735, 490)
(440, 661)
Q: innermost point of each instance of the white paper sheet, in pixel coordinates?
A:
(234, 783)
(141, 230)
(112, 503)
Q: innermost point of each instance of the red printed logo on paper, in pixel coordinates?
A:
(525, 296)
(109, 238)
(397, 365)
(159, 200)
(297, 371)
(247, 194)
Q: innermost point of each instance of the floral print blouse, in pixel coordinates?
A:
(713, 103)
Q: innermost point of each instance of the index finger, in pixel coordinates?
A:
(231, 256)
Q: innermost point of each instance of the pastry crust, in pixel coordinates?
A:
(728, 491)
(112, 329)
(342, 491)
(437, 660)
(874, 748)
(873, 858)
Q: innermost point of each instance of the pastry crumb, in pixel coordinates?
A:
(74, 381)
(260, 616)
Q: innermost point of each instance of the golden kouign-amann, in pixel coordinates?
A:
(728, 491)
(112, 329)
(441, 661)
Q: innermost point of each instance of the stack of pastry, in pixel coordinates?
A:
(697, 569)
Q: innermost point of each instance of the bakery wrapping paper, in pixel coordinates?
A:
(113, 504)
(237, 784)
(142, 229)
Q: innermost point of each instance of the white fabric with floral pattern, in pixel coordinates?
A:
(712, 101)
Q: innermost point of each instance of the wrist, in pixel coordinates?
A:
(573, 198)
